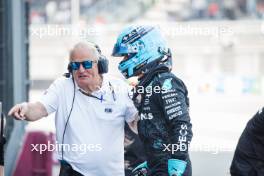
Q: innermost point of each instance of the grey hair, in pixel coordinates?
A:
(89, 46)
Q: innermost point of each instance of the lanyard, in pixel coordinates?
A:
(90, 95)
(112, 91)
(101, 98)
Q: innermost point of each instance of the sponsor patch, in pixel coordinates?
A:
(108, 110)
(167, 84)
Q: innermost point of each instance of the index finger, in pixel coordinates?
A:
(13, 110)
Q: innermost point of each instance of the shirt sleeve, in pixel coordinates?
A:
(50, 98)
(131, 111)
(175, 103)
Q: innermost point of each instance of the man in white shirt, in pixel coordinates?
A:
(90, 115)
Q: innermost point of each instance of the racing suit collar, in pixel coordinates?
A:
(147, 78)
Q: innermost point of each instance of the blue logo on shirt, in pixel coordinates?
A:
(108, 110)
(167, 84)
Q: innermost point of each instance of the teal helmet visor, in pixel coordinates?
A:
(122, 50)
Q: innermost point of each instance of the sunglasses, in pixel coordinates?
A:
(86, 64)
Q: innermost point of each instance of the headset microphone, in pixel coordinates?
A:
(67, 75)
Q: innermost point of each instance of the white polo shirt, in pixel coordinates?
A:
(94, 137)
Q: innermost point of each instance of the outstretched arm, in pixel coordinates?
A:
(28, 111)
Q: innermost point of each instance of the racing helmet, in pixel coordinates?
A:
(141, 45)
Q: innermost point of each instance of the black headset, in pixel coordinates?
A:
(102, 63)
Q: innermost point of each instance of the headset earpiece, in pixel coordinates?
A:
(102, 61)
(68, 75)
(102, 64)
(69, 68)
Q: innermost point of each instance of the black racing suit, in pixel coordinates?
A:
(249, 154)
(134, 151)
(164, 126)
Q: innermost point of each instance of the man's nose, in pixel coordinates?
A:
(81, 69)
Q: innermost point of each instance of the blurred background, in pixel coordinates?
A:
(217, 48)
